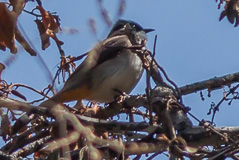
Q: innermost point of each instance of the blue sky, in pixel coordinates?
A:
(192, 45)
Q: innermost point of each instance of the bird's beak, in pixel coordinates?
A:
(148, 30)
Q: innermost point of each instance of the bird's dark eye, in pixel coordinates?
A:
(137, 27)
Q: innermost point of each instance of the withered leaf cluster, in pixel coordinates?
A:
(47, 24)
(231, 11)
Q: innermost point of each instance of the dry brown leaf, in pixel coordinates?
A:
(45, 40)
(45, 17)
(18, 6)
(18, 94)
(50, 24)
(49, 21)
(71, 59)
(231, 12)
(7, 28)
(54, 25)
(67, 62)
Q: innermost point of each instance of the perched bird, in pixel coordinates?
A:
(111, 66)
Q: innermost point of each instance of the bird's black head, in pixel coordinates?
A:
(135, 32)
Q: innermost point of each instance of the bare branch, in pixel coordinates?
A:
(211, 84)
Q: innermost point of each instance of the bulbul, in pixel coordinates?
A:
(111, 66)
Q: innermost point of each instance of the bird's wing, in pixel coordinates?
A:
(78, 84)
(112, 47)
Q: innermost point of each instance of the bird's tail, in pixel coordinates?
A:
(66, 96)
(53, 101)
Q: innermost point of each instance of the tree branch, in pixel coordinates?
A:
(211, 84)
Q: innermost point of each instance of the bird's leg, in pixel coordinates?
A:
(121, 96)
(79, 106)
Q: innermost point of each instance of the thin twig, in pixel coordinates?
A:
(28, 87)
(167, 78)
(67, 63)
(34, 14)
(216, 108)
